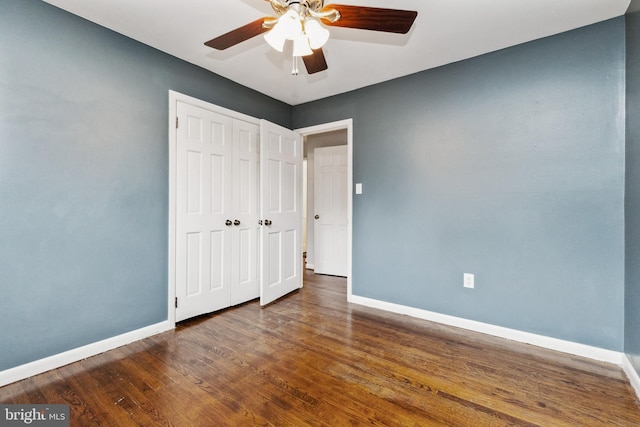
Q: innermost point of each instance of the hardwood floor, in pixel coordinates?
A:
(313, 359)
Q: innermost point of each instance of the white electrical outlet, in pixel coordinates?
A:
(468, 280)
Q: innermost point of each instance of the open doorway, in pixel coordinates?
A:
(326, 201)
(335, 134)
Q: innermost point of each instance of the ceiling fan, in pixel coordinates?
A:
(299, 21)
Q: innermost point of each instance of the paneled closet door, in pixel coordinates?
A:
(203, 211)
(224, 185)
(245, 260)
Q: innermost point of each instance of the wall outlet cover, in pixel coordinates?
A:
(468, 280)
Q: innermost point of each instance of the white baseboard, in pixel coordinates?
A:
(39, 366)
(498, 331)
(634, 379)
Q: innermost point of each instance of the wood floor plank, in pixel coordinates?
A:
(314, 359)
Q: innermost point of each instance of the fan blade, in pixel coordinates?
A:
(316, 62)
(239, 35)
(372, 18)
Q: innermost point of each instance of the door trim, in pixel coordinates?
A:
(174, 98)
(329, 127)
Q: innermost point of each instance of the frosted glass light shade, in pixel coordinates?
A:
(318, 35)
(276, 38)
(301, 46)
(291, 24)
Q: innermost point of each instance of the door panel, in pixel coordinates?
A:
(218, 182)
(290, 256)
(289, 187)
(217, 256)
(273, 174)
(245, 258)
(272, 259)
(194, 266)
(194, 182)
(281, 195)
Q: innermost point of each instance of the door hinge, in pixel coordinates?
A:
(176, 123)
(176, 302)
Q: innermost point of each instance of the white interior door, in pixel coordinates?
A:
(330, 210)
(203, 240)
(245, 265)
(281, 211)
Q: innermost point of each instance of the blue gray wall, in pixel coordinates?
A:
(509, 166)
(84, 177)
(632, 186)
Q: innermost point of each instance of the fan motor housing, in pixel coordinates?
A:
(281, 6)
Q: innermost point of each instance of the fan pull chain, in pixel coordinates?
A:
(294, 70)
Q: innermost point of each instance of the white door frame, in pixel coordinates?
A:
(329, 127)
(174, 98)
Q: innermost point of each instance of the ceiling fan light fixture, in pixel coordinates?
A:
(303, 22)
(288, 27)
(318, 35)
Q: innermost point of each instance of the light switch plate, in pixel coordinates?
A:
(359, 188)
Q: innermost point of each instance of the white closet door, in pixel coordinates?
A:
(203, 240)
(245, 265)
(281, 211)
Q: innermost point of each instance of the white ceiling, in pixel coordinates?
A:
(445, 31)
